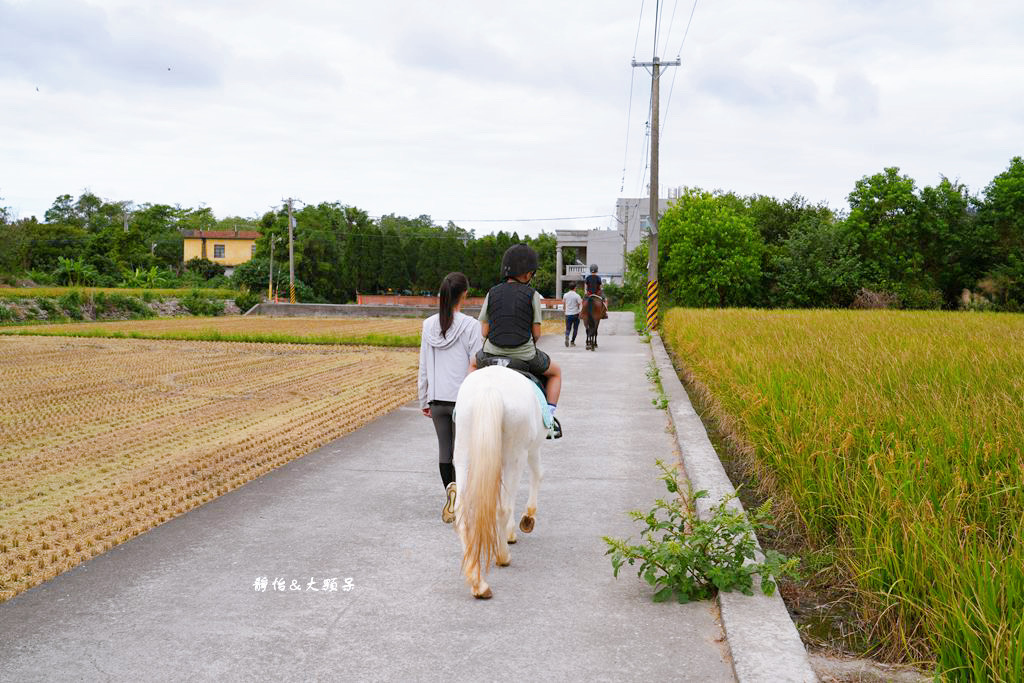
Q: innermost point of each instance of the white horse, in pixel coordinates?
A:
(498, 429)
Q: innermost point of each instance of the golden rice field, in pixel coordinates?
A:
(102, 439)
(896, 441)
(373, 331)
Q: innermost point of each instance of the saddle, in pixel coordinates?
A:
(521, 366)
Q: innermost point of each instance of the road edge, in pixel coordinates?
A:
(763, 640)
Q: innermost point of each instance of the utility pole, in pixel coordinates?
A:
(291, 253)
(652, 262)
(270, 285)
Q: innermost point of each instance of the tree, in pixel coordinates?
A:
(817, 266)
(634, 288)
(545, 245)
(394, 274)
(74, 272)
(1001, 217)
(955, 246)
(710, 252)
(884, 223)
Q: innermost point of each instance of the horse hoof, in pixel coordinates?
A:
(512, 539)
(526, 524)
(486, 595)
(505, 563)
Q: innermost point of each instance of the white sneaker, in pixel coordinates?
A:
(448, 511)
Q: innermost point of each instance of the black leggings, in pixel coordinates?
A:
(444, 425)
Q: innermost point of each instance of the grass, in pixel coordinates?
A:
(51, 292)
(895, 443)
(393, 332)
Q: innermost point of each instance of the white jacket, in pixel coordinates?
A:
(444, 361)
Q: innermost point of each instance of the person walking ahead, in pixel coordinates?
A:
(573, 306)
(448, 342)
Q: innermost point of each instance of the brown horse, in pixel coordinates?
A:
(593, 311)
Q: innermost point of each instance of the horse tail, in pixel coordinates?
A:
(483, 488)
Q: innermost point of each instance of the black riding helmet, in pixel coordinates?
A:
(518, 259)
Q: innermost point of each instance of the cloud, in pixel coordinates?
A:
(756, 87)
(856, 96)
(72, 45)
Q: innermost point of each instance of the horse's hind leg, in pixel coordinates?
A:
(536, 474)
(508, 522)
(504, 522)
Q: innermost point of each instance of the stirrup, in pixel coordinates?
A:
(556, 430)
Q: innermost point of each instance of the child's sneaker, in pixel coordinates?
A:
(448, 511)
(556, 430)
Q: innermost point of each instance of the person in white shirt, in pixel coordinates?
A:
(573, 305)
(448, 341)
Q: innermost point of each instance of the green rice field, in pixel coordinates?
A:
(894, 441)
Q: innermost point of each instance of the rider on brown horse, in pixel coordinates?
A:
(593, 288)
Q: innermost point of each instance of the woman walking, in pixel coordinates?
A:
(447, 343)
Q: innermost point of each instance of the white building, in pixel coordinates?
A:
(606, 248)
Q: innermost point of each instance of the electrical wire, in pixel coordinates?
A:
(629, 110)
(671, 23)
(672, 87)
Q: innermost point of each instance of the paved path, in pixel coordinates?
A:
(179, 601)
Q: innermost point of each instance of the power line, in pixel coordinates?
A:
(524, 220)
(629, 111)
(678, 53)
(671, 23)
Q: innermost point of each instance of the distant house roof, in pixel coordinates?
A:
(222, 234)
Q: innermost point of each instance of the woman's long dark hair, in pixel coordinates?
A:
(452, 287)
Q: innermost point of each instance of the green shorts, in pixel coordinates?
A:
(537, 365)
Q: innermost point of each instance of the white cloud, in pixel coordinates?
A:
(474, 110)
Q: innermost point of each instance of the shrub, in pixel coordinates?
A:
(246, 300)
(205, 268)
(197, 304)
(50, 306)
(72, 303)
(693, 558)
(614, 294)
(921, 298)
(865, 298)
(6, 314)
(40, 277)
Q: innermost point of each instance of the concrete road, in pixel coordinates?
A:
(183, 601)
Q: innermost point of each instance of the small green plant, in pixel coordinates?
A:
(197, 304)
(691, 558)
(6, 314)
(654, 377)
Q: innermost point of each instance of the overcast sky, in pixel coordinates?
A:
(470, 110)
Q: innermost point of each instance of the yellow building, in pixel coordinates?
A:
(226, 247)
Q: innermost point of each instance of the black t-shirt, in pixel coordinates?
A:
(593, 283)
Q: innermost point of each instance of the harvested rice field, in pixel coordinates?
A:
(103, 439)
(372, 331)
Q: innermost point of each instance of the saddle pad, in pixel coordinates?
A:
(545, 410)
